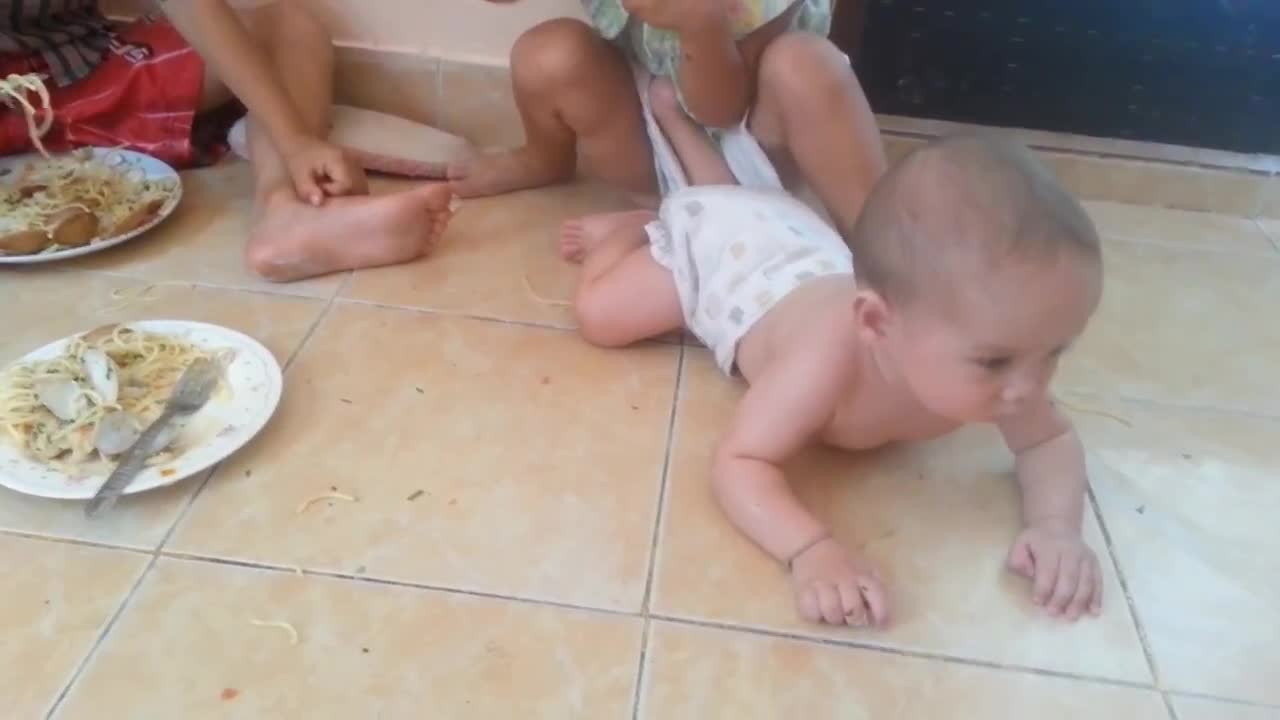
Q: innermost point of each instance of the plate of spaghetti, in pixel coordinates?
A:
(58, 207)
(69, 410)
(82, 202)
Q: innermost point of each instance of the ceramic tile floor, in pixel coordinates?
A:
(534, 537)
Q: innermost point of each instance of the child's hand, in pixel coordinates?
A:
(319, 169)
(833, 587)
(1066, 576)
(680, 15)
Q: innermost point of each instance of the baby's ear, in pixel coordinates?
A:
(871, 314)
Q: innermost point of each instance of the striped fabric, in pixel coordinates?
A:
(71, 35)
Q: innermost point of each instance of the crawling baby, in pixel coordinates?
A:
(972, 272)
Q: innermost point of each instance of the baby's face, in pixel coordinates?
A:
(994, 347)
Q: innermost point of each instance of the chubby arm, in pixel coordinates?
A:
(1049, 463)
(779, 414)
(782, 411)
(1065, 573)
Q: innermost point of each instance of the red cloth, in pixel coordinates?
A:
(143, 97)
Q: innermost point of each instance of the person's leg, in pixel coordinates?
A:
(624, 295)
(703, 164)
(810, 109)
(575, 91)
(289, 239)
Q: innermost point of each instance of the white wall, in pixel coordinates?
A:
(469, 30)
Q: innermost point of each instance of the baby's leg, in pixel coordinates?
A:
(702, 161)
(624, 295)
(810, 109)
(577, 99)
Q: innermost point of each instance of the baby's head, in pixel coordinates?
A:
(975, 271)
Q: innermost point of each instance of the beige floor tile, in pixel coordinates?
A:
(1180, 227)
(204, 240)
(47, 305)
(937, 521)
(186, 648)
(498, 259)
(485, 456)
(1191, 502)
(1269, 204)
(706, 674)
(1198, 709)
(1271, 228)
(1181, 326)
(57, 600)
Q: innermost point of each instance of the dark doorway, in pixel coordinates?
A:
(1202, 73)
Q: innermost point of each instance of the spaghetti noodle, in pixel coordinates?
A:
(113, 381)
(14, 90)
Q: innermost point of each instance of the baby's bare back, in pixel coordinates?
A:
(869, 406)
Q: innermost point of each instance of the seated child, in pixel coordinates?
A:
(972, 271)
(759, 76)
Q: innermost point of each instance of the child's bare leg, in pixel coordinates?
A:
(574, 91)
(289, 239)
(624, 295)
(701, 159)
(810, 108)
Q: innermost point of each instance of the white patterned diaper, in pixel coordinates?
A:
(736, 252)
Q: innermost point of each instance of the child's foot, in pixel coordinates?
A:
(580, 235)
(508, 171)
(291, 240)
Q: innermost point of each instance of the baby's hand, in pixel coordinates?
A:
(834, 587)
(1066, 577)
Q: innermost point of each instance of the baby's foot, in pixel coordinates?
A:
(580, 235)
(508, 171)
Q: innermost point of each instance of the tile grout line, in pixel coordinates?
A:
(1138, 626)
(196, 559)
(901, 652)
(664, 480)
(530, 324)
(683, 621)
(78, 542)
(1273, 238)
(1223, 700)
(98, 642)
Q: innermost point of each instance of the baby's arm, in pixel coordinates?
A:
(784, 409)
(1050, 551)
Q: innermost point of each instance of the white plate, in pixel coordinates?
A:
(152, 168)
(224, 425)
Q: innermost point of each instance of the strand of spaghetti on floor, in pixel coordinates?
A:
(14, 89)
